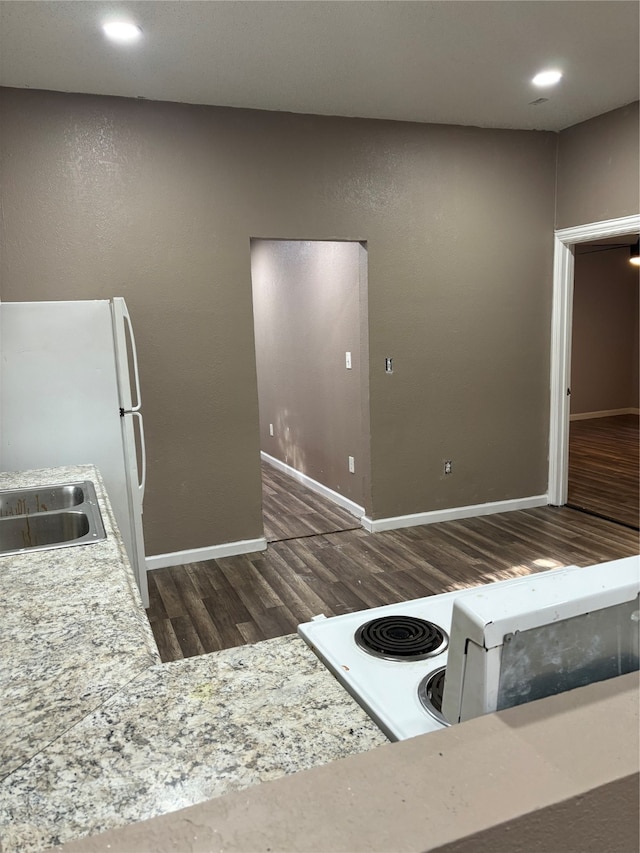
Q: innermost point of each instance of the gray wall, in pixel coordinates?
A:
(604, 355)
(306, 308)
(157, 202)
(599, 169)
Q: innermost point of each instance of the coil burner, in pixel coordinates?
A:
(430, 692)
(401, 638)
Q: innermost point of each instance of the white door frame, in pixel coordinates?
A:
(561, 323)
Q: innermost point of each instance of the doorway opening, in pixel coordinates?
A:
(603, 423)
(311, 338)
(566, 242)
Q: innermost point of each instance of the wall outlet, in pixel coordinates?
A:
(347, 360)
(447, 466)
(270, 429)
(388, 365)
(352, 465)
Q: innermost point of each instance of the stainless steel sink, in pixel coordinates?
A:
(46, 517)
(44, 499)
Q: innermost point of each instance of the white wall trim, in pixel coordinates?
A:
(314, 485)
(609, 413)
(211, 552)
(561, 321)
(378, 525)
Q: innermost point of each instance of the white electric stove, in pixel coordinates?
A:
(493, 646)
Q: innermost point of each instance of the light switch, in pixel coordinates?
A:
(347, 359)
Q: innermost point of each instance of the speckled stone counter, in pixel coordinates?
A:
(72, 629)
(182, 733)
(96, 733)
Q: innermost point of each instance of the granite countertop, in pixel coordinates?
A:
(72, 628)
(96, 733)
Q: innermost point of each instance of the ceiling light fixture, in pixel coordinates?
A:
(547, 78)
(122, 32)
(634, 253)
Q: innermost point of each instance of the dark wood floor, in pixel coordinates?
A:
(604, 467)
(217, 604)
(291, 511)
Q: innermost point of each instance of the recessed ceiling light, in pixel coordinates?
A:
(122, 32)
(547, 78)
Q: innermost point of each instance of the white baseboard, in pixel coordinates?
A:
(585, 416)
(212, 552)
(379, 525)
(315, 486)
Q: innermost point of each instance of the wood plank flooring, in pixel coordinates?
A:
(604, 467)
(206, 606)
(291, 511)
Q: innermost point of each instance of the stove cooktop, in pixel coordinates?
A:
(394, 660)
(391, 659)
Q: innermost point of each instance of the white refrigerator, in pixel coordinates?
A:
(67, 374)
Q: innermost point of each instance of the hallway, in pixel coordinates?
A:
(604, 467)
(292, 511)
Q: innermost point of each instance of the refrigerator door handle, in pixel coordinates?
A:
(134, 408)
(143, 454)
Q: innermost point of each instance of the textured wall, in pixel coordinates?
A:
(157, 202)
(604, 353)
(306, 309)
(599, 169)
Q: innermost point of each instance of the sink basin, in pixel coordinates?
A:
(46, 517)
(21, 532)
(44, 499)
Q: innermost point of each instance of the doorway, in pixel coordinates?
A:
(603, 424)
(310, 325)
(566, 242)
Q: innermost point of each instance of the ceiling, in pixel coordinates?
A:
(466, 62)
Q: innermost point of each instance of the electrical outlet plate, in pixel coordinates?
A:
(352, 465)
(270, 429)
(347, 360)
(448, 466)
